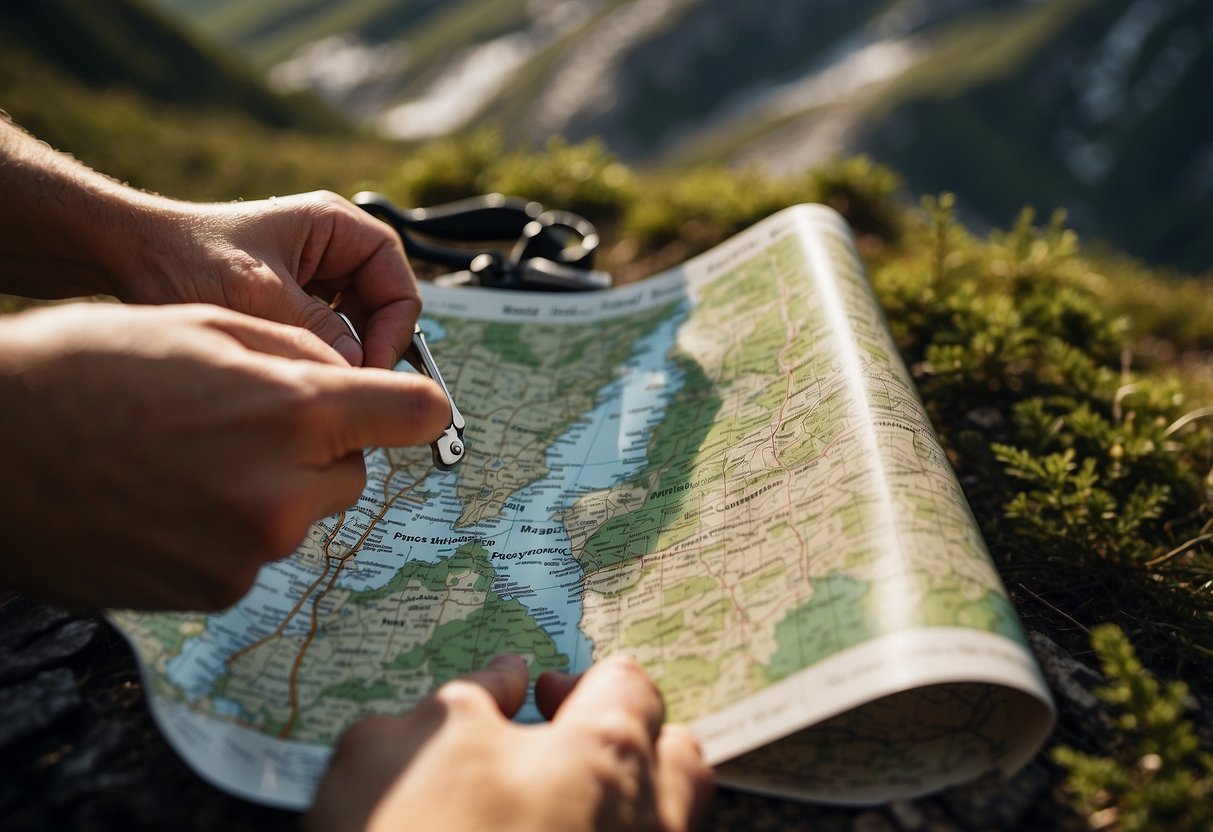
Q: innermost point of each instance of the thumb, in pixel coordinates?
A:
(381, 408)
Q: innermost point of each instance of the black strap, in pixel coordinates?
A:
(551, 250)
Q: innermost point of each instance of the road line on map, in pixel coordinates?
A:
(293, 678)
(277, 633)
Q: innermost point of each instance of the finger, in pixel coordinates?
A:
(497, 689)
(303, 310)
(366, 759)
(684, 782)
(389, 331)
(386, 332)
(379, 408)
(551, 689)
(349, 305)
(369, 254)
(270, 337)
(616, 686)
(505, 678)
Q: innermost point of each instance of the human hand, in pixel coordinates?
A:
(157, 456)
(72, 231)
(269, 257)
(603, 762)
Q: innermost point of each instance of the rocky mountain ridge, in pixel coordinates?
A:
(1096, 106)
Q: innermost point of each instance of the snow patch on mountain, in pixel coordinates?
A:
(477, 74)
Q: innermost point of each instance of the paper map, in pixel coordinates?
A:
(723, 471)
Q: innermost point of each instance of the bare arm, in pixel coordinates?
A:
(67, 230)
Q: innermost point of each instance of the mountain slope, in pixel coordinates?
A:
(105, 43)
(1100, 106)
(129, 93)
(1102, 117)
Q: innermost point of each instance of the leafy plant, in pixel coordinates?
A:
(444, 171)
(702, 207)
(1156, 775)
(1081, 470)
(585, 178)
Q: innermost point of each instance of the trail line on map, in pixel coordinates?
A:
(791, 334)
(303, 596)
(331, 573)
(293, 678)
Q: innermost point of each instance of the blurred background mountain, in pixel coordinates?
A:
(1102, 107)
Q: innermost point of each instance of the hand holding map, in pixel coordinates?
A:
(603, 762)
(160, 456)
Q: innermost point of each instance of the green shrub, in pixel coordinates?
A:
(445, 171)
(702, 207)
(1156, 775)
(861, 190)
(1088, 471)
(584, 178)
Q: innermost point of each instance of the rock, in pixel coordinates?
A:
(36, 636)
(993, 802)
(909, 818)
(1068, 678)
(24, 619)
(30, 706)
(48, 648)
(986, 418)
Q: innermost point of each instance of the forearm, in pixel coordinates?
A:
(67, 230)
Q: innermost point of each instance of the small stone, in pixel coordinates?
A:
(986, 418)
(1067, 676)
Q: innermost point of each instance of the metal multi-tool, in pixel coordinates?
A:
(551, 251)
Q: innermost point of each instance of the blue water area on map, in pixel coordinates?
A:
(528, 545)
(533, 556)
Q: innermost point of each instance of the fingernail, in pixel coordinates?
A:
(348, 349)
(507, 659)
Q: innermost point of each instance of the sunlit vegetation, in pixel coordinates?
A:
(1158, 776)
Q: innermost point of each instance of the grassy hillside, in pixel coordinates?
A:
(105, 44)
(107, 92)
